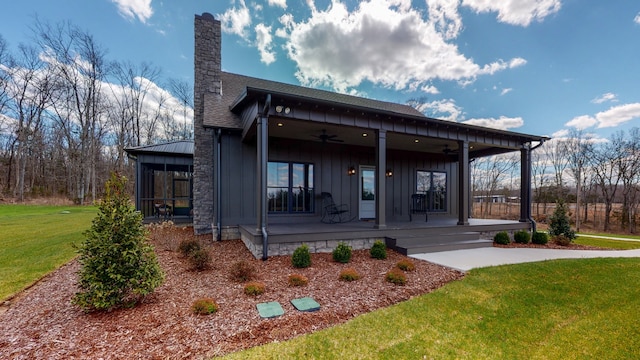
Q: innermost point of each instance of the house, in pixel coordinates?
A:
(266, 154)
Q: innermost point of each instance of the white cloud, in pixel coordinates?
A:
(615, 116)
(618, 115)
(604, 98)
(441, 109)
(430, 89)
(264, 43)
(582, 122)
(132, 9)
(506, 91)
(445, 17)
(516, 12)
(236, 20)
(280, 3)
(501, 123)
(637, 19)
(385, 42)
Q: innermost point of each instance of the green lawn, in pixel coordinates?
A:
(36, 240)
(606, 243)
(563, 309)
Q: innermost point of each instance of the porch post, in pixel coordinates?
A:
(261, 172)
(380, 183)
(463, 183)
(525, 183)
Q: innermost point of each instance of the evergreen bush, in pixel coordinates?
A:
(502, 238)
(301, 257)
(559, 224)
(378, 250)
(522, 237)
(118, 266)
(342, 253)
(540, 238)
(406, 265)
(254, 288)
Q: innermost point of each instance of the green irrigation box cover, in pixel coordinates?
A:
(270, 309)
(305, 304)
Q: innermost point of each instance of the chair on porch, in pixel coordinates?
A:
(162, 210)
(418, 205)
(332, 213)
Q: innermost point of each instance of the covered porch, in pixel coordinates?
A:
(440, 233)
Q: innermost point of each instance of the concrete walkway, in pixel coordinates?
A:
(465, 260)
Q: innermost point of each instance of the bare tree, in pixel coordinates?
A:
(576, 149)
(488, 174)
(79, 69)
(629, 170)
(603, 162)
(540, 178)
(29, 88)
(183, 92)
(554, 152)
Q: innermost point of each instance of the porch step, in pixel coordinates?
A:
(435, 243)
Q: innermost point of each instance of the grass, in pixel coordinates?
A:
(622, 236)
(563, 309)
(606, 243)
(37, 240)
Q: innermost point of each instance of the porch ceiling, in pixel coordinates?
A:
(308, 131)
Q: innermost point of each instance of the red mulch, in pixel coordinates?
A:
(41, 322)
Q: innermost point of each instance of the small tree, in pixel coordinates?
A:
(559, 224)
(119, 266)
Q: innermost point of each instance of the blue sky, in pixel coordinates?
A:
(533, 66)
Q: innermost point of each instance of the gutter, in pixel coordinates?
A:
(218, 157)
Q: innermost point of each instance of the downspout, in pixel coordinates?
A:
(263, 177)
(218, 183)
(533, 222)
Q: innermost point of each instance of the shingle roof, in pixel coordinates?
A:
(234, 85)
(181, 147)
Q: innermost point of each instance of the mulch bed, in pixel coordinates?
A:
(41, 323)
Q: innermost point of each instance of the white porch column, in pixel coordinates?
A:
(380, 183)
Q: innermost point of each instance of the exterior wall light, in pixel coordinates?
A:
(389, 173)
(351, 171)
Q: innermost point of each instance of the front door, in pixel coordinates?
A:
(367, 208)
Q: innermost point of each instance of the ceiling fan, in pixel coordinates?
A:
(324, 137)
(448, 151)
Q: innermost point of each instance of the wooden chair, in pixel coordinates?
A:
(418, 205)
(332, 213)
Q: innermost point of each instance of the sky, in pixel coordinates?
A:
(540, 67)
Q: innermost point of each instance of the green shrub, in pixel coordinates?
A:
(204, 306)
(187, 246)
(200, 259)
(502, 238)
(254, 288)
(349, 274)
(396, 276)
(540, 238)
(559, 224)
(118, 266)
(378, 250)
(406, 265)
(301, 257)
(522, 237)
(342, 253)
(298, 280)
(242, 271)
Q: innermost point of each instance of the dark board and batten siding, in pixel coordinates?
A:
(331, 162)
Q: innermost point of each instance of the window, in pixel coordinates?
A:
(290, 187)
(434, 185)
